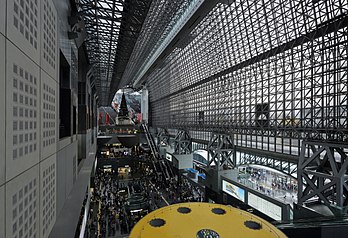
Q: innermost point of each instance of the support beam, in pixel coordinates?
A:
(323, 175)
(286, 167)
(182, 143)
(221, 151)
(163, 137)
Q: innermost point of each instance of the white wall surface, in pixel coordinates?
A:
(22, 204)
(3, 16)
(23, 26)
(185, 161)
(2, 211)
(48, 199)
(34, 165)
(66, 158)
(145, 105)
(49, 115)
(23, 112)
(29, 100)
(3, 109)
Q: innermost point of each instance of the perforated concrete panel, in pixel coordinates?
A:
(48, 115)
(23, 26)
(49, 46)
(47, 195)
(22, 205)
(23, 112)
(2, 211)
(2, 16)
(2, 109)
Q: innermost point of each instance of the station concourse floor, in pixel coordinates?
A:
(282, 195)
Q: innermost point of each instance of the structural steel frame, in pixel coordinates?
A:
(182, 143)
(112, 28)
(323, 175)
(163, 137)
(221, 152)
(286, 167)
(270, 73)
(160, 22)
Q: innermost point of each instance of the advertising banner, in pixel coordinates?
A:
(233, 190)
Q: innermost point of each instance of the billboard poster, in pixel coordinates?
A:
(264, 206)
(233, 190)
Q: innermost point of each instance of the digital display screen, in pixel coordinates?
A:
(233, 190)
(264, 206)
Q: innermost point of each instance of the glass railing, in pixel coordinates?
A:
(105, 130)
(284, 196)
(314, 222)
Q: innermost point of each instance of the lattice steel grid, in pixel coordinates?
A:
(113, 27)
(161, 19)
(271, 72)
(102, 23)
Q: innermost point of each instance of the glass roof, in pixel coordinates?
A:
(112, 28)
(173, 15)
(103, 22)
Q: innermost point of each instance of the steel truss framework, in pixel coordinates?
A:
(244, 156)
(182, 143)
(161, 19)
(285, 167)
(163, 137)
(221, 152)
(272, 73)
(323, 175)
(112, 28)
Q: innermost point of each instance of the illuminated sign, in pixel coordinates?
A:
(264, 206)
(169, 157)
(233, 190)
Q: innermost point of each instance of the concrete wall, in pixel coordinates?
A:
(29, 88)
(145, 105)
(2, 211)
(67, 169)
(2, 108)
(34, 164)
(82, 145)
(185, 161)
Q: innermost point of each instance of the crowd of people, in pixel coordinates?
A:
(278, 187)
(109, 202)
(177, 190)
(118, 203)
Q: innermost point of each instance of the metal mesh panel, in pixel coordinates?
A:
(271, 72)
(161, 20)
(112, 28)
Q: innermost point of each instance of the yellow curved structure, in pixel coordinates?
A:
(207, 220)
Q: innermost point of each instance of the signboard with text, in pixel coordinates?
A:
(264, 206)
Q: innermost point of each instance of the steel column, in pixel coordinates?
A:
(182, 143)
(221, 151)
(323, 175)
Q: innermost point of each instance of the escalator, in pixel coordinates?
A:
(151, 141)
(160, 164)
(169, 167)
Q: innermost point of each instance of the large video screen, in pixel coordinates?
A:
(233, 190)
(264, 206)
